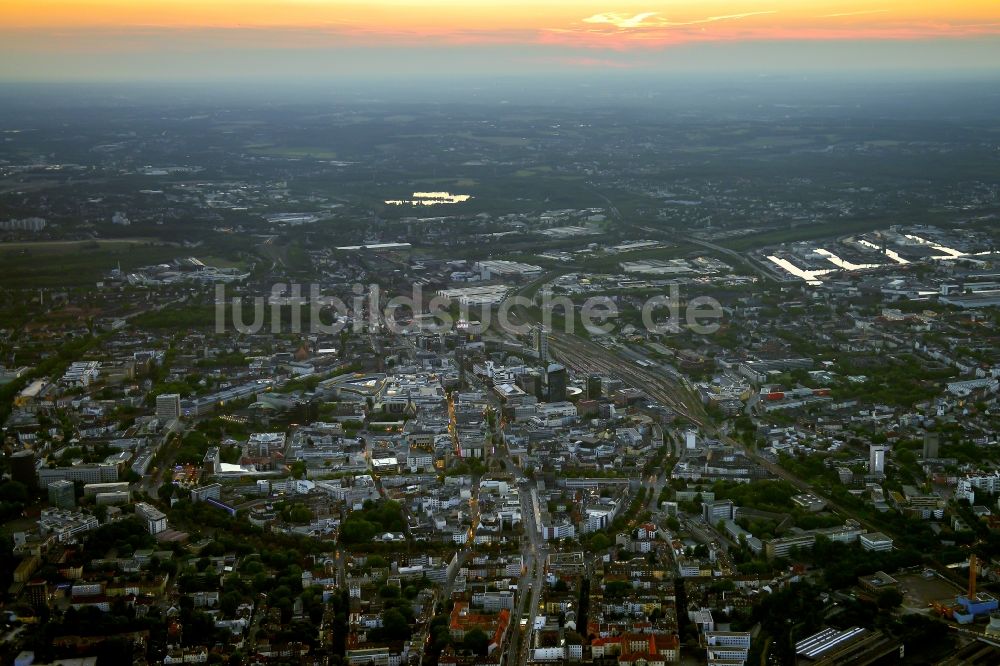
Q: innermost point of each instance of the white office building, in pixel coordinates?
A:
(876, 458)
(81, 373)
(168, 406)
(88, 473)
(875, 542)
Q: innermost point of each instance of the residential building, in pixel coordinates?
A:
(156, 520)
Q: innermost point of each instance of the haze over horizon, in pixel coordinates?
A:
(304, 40)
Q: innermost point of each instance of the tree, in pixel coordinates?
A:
(13, 491)
(377, 562)
(394, 625)
(229, 602)
(357, 530)
(299, 514)
(889, 599)
(166, 491)
(477, 642)
(389, 592)
(600, 541)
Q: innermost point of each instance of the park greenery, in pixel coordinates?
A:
(374, 519)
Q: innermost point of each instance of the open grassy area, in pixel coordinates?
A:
(73, 264)
(802, 232)
(611, 262)
(497, 140)
(315, 152)
(57, 245)
(222, 262)
(445, 183)
(18, 525)
(533, 171)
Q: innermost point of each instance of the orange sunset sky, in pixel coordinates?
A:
(103, 38)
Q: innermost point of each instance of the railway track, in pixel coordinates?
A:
(589, 357)
(586, 356)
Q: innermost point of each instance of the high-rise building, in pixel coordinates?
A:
(531, 383)
(22, 468)
(594, 387)
(37, 592)
(541, 344)
(931, 441)
(556, 379)
(62, 494)
(168, 406)
(876, 458)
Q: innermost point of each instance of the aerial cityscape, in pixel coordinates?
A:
(440, 334)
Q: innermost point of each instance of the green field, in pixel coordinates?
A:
(815, 231)
(533, 171)
(222, 262)
(502, 141)
(446, 182)
(314, 152)
(59, 245)
(74, 264)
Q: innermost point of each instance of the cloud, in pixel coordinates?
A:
(653, 20)
(610, 38)
(622, 20)
(729, 17)
(858, 13)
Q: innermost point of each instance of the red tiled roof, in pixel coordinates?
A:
(463, 621)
